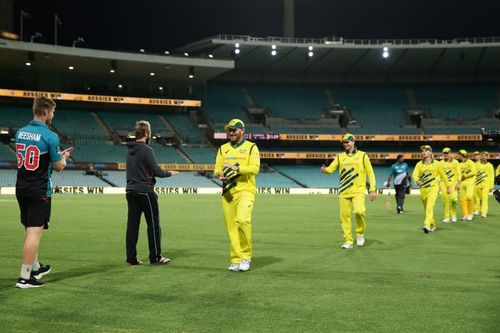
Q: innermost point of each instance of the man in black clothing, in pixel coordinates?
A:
(142, 168)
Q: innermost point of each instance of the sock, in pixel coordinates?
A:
(36, 264)
(25, 272)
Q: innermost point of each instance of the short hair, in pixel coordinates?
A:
(399, 156)
(141, 128)
(42, 104)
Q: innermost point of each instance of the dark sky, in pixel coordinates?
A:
(166, 24)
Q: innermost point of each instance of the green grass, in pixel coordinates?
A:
(301, 281)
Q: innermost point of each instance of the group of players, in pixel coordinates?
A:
(237, 164)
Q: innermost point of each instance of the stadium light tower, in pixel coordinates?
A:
(289, 18)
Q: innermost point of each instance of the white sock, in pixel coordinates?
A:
(36, 264)
(25, 272)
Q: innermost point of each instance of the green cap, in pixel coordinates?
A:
(348, 137)
(446, 150)
(426, 147)
(235, 123)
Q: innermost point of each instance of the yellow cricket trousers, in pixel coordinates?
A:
(348, 206)
(483, 195)
(238, 219)
(467, 196)
(449, 202)
(429, 196)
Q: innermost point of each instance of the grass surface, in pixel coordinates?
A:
(300, 281)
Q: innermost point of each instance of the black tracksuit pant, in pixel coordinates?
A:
(400, 195)
(146, 203)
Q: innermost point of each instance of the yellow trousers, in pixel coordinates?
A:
(348, 206)
(450, 202)
(477, 200)
(238, 219)
(483, 194)
(467, 196)
(429, 197)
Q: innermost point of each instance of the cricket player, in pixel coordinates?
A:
(399, 171)
(476, 157)
(237, 163)
(354, 165)
(451, 168)
(466, 185)
(38, 153)
(426, 175)
(485, 181)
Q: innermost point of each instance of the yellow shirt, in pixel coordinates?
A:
(428, 174)
(468, 170)
(246, 156)
(353, 169)
(485, 175)
(498, 170)
(452, 170)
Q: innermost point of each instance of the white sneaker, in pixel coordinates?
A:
(234, 267)
(346, 246)
(432, 229)
(454, 218)
(360, 241)
(245, 265)
(446, 220)
(470, 217)
(476, 213)
(483, 216)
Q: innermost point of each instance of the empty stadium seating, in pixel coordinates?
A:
(200, 154)
(222, 104)
(185, 127)
(6, 153)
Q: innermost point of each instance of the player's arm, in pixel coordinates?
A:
(416, 173)
(390, 177)
(219, 164)
(152, 164)
(253, 164)
(371, 177)
(491, 176)
(444, 178)
(332, 167)
(57, 158)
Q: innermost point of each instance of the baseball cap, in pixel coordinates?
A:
(426, 147)
(446, 150)
(348, 137)
(475, 153)
(235, 123)
(463, 152)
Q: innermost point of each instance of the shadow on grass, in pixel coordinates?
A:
(79, 272)
(373, 242)
(260, 262)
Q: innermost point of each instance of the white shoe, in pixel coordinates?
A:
(432, 229)
(446, 220)
(454, 218)
(234, 267)
(468, 217)
(346, 246)
(476, 213)
(483, 216)
(245, 265)
(360, 241)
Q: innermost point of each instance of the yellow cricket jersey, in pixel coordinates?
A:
(452, 170)
(246, 156)
(485, 175)
(467, 169)
(498, 170)
(353, 169)
(428, 174)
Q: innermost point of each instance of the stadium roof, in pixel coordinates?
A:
(95, 65)
(344, 60)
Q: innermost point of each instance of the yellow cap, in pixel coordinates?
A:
(426, 147)
(475, 153)
(484, 153)
(463, 152)
(446, 150)
(235, 123)
(348, 137)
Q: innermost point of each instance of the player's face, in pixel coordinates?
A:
(477, 157)
(348, 145)
(50, 116)
(235, 135)
(446, 156)
(401, 160)
(460, 157)
(425, 153)
(484, 158)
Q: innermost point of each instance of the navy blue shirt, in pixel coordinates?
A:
(37, 148)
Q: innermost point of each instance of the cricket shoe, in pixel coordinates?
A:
(470, 217)
(346, 246)
(483, 216)
(28, 283)
(426, 230)
(454, 218)
(41, 272)
(432, 229)
(476, 213)
(360, 241)
(234, 267)
(133, 262)
(244, 265)
(446, 220)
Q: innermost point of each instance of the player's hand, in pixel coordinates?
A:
(418, 183)
(457, 187)
(449, 190)
(230, 166)
(220, 176)
(66, 152)
(372, 196)
(173, 173)
(323, 168)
